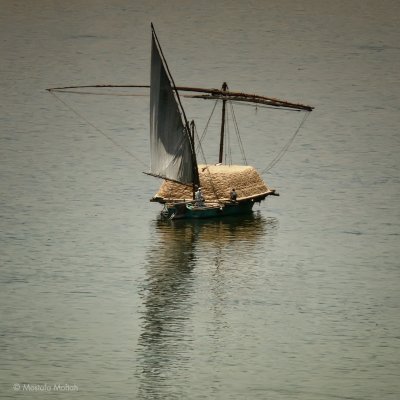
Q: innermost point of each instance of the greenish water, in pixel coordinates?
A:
(99, 299)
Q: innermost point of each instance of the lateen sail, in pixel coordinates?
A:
(170, 147)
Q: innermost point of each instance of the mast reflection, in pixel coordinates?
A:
(166, 341)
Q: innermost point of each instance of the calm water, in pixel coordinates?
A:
(298, 301)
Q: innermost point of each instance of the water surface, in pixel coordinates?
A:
(298, 301)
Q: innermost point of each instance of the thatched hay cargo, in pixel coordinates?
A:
(216, 182)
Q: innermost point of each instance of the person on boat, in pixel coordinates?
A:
(233, 195)
(198, 196)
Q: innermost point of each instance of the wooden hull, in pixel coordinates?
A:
(190, 211)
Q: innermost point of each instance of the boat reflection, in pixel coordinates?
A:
(171, 282)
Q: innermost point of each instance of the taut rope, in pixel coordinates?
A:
(97, 129)
(285, 148)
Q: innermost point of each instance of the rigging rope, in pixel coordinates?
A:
(285, 148)
(206, 127)
(275, 160)
(97, 129)
(228, 150)
(238, 134)
(205, 162)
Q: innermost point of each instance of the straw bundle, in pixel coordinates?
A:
(216, 182)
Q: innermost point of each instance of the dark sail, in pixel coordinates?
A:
(170, 146)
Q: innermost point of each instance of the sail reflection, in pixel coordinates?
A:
(166, 340)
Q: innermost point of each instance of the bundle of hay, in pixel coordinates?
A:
(216, 182)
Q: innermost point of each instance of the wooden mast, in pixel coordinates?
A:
(196, 179)
(221, 143)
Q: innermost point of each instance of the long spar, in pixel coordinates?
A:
(207, 94)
